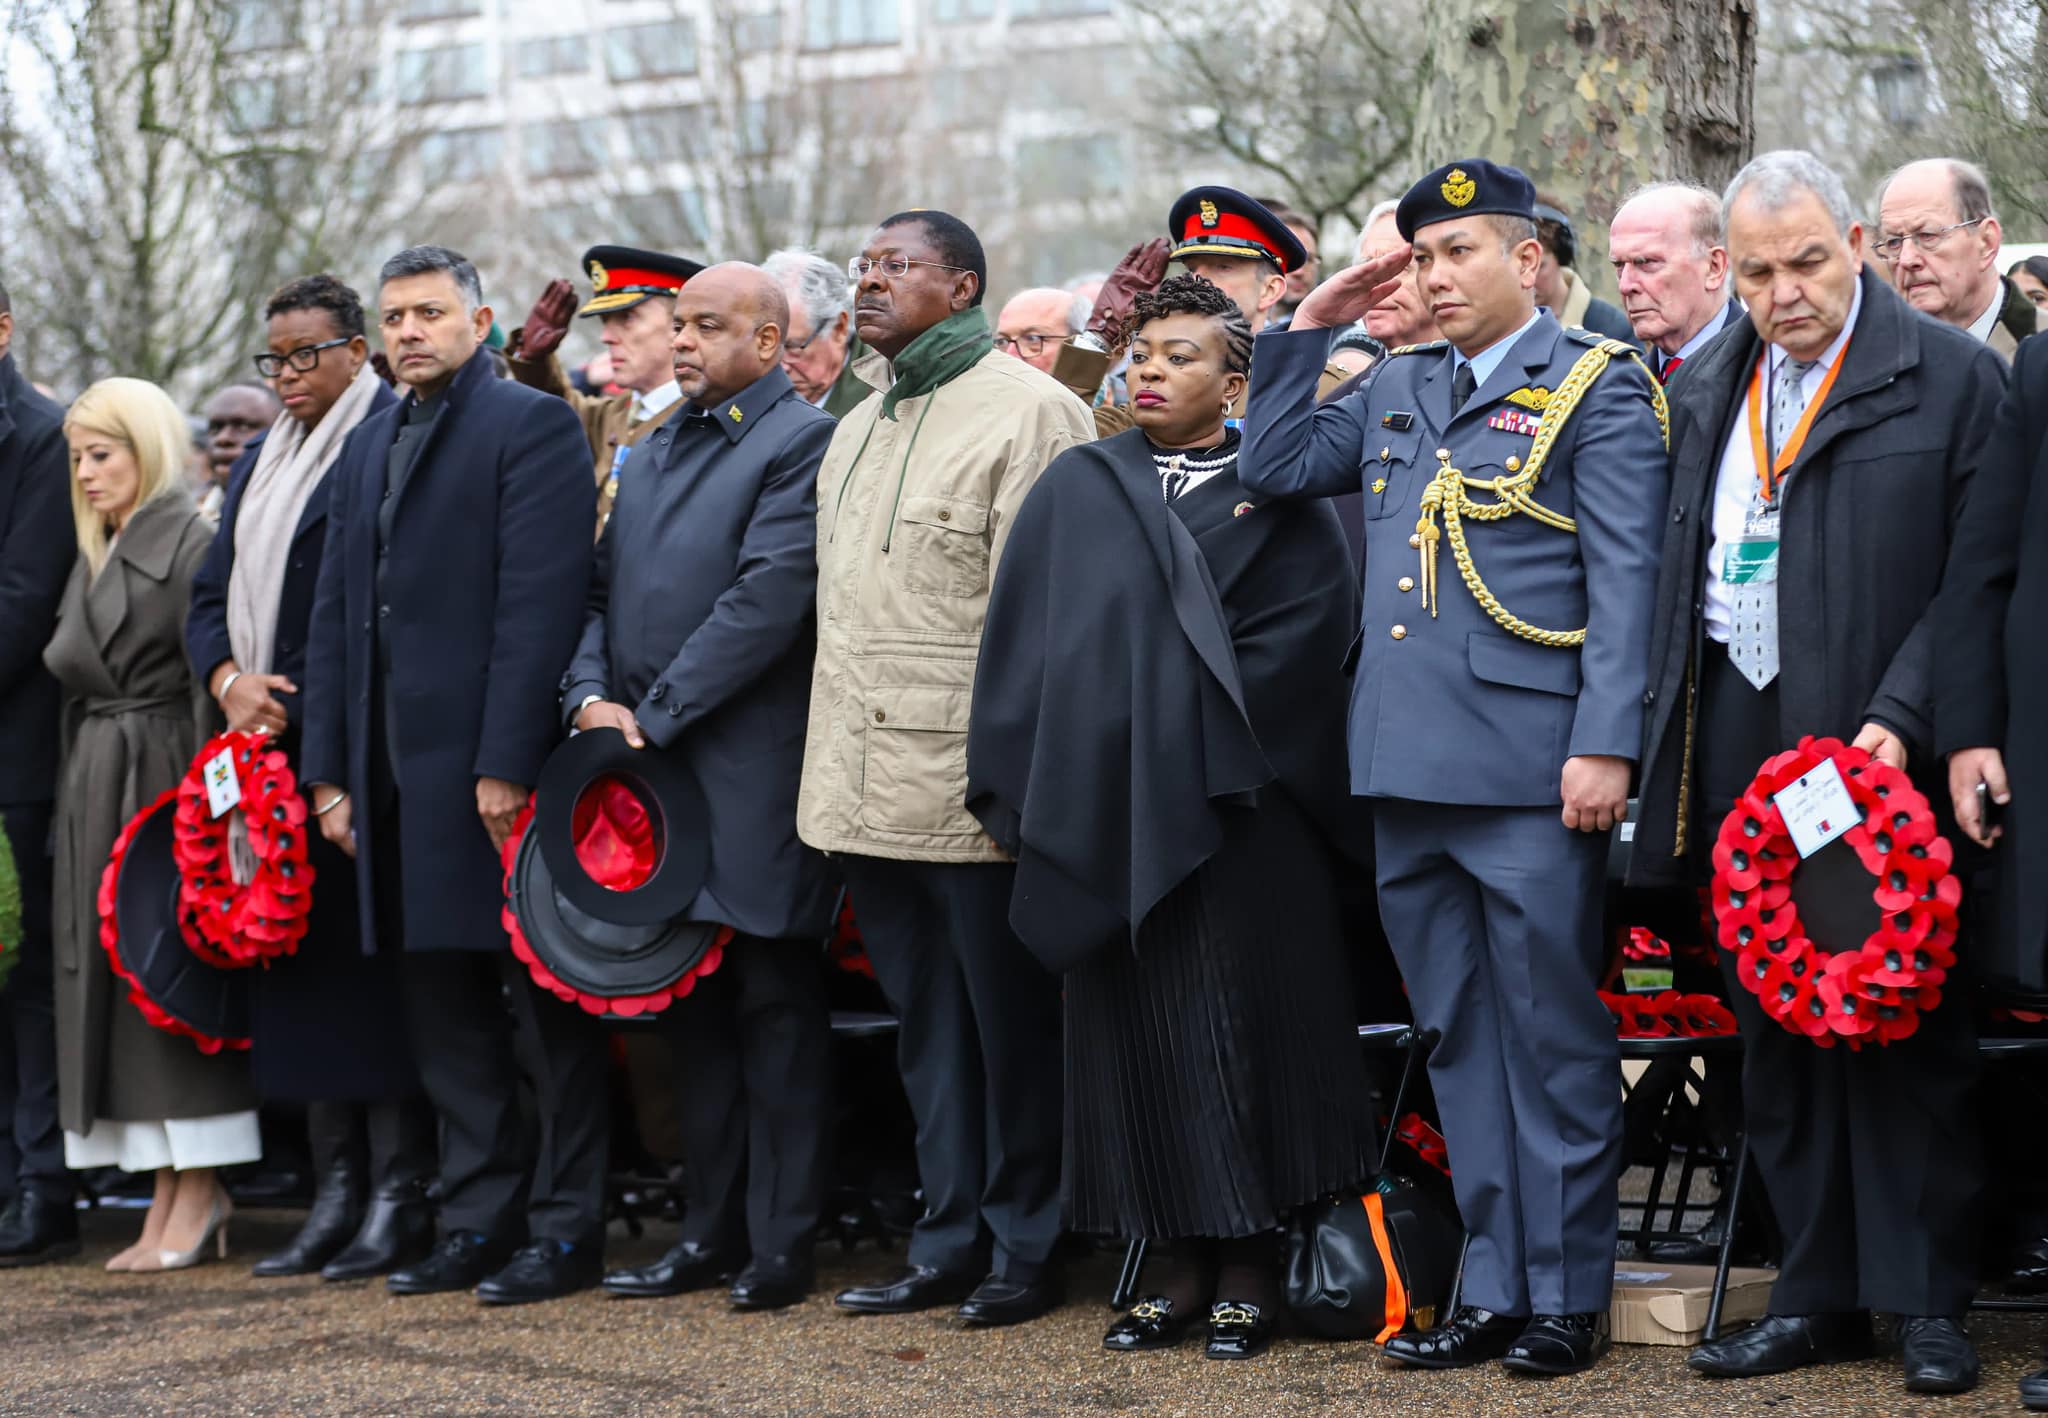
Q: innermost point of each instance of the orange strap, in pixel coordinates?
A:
(1768, 472)
(1397, 1297)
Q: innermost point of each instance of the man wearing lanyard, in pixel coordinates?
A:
(1819, 454)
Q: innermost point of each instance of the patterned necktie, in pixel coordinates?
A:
(1670, 368)
(1463, 383)
(1753, 628)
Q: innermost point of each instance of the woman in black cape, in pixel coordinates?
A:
(1158, 738)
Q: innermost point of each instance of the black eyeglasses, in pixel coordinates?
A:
(1031, 342)
(303, 359)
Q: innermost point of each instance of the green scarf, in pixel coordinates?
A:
(941, 354)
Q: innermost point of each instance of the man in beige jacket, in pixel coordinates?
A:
(915, 500)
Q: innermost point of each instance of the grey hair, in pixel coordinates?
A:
(820, 287)
(425, 260)
(1777, 177)
(1091, 278)
(1513, 230)
(1972, 189)
(1706, 227)
(1379, 209)
(1078, 311)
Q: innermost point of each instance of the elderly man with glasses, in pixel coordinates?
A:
(1035, 322)
(821, 349)
(916, 498)
(1938, 241)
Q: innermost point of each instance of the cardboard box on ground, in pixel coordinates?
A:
(1667, 1304)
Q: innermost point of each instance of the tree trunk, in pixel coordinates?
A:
(1590, 99)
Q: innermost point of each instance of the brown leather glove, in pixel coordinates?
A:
(1142, 269)
(384, 370)
(547, 324)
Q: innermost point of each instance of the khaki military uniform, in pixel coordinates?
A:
(608, 422)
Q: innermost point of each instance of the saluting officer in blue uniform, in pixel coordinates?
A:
(1513, 478)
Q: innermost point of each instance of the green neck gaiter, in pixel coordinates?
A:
(940, 354)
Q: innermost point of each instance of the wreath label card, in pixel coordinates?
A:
(1817, 808)
(223, 789)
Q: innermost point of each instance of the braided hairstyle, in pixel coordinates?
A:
(1191, 295)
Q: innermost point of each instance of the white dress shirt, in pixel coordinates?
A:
(1982, 326)
(1737, 478)
(655, 401)
(1489, 359)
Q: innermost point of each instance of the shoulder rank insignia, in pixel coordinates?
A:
(734, 413)
(1426, 347)
(1589, 337)
(1242, 508)
(1515, 421)
(1398, 419)
(1536, 397)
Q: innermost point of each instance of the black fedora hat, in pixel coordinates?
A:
(609, 969)
(665, 787)
(175, 989)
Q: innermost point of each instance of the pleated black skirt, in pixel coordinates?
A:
(1213, 1075)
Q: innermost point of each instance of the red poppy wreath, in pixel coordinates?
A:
(226, 922)
(1872, 993)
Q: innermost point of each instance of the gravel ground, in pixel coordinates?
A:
(213, 1341)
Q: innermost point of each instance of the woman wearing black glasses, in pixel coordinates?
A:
(313, 1014)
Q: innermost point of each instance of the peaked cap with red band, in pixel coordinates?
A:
(1221, 221)
(623, 276)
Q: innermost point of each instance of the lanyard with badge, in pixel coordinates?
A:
(1754, 557)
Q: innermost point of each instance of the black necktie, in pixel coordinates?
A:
(1463, 383)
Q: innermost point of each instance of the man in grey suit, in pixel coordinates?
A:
(698, 642)
(1496, 713)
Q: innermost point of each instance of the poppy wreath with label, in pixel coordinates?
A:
(1667, 1015)
(232, 923)
(1868, 993)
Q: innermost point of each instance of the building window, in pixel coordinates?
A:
(758, 32)
(564, 149)
(260, 24)
(1089, 166)
(663, 135)
(257, 103)
(665, 220)
(414, 11)
(452, 71)
(650, 51)
(1056, 9)
(461, 154)
(838, 24)
(947, 12)
(552, 54)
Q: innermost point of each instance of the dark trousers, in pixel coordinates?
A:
(1870, 1158)
(752, 1045)
(980, 1054)
(32, 1149)
(477, 1025)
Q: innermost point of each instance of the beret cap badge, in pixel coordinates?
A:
(1458, 189)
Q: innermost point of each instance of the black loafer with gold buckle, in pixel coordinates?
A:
(1238, 1330)
(1150, 1324)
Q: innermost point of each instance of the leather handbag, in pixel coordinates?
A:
(1371, 1264)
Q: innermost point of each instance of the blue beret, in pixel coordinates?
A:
(1465, 189)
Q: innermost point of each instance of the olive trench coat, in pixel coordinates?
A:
(134, 715)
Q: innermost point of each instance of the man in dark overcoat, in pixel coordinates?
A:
(458, 559)
(698, 643)
(1820, 453)
(37, 546)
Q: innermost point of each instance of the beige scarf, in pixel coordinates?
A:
(288, 467)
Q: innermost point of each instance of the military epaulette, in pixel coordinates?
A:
(1593, 339)
(1427, 347)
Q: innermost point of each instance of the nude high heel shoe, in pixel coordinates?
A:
(216, 1233)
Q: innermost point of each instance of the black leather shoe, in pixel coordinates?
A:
(397, 1231)
(461, 1260)
(1555, 1345)
(1238, 1330)
(687, 1266)
(36, 1229)
(1778, 1344)
(2028, 1274)
(545, 1269)
(771, 1283)
(1937, 1355)
(1470, 1336)
(918, 1287)
(2034, 1392)
(999, 1301)
(1152, 1323)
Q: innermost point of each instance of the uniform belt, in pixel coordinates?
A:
(166, 704)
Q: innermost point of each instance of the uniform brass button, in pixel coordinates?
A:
(1514, 463)
(1386, 453)
(1406, 583)
(1443, 452)
(1399, 632)
(946, 515)
(1415, 539)
(880, 717)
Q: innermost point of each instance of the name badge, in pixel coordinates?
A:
(223, 791)
(1817, 808)
(1751, 561)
